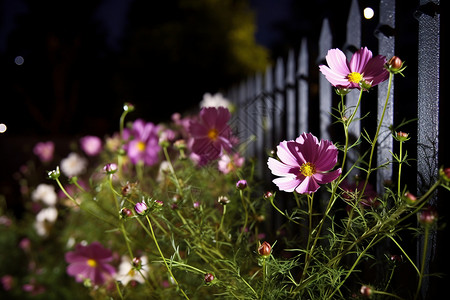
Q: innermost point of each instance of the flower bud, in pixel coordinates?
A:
(445, 174)
(128, 107)
(395, 65)
(410, 198)
(428, 216)
(137, 263)
(140, 208)
(128, 188)
(180, 144)
(265, 249)
(125, 213)
(395, 62)
(268, 195)
(223, 200)
(402, 136)
(241, 184)
(342, 91)
(365, 85)
(159, 203)
(209, 278)
(366, 291)
(110, 168)
(54, 174)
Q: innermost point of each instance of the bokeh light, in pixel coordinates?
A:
(2, 128)
(368, 13)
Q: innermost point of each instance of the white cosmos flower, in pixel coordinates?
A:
(45, 193)
(128, 273)
(215, 100)
(73, 165)
(44, 218)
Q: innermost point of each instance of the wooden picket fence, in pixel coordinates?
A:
(292, 97)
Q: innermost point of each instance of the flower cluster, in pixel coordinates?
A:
(173, 210)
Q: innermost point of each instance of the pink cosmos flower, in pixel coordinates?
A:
(362, 67)
(144, 145)
(91, 145)
(304, 164)
(211, 133)
(90, 262)
(229, 163)
(44, 150)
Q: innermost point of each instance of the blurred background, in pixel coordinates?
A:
(67, 67)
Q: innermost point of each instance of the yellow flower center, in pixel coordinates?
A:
(354, 77)
(91, 263)
(141, 146)
(213, 134)
(308, 169)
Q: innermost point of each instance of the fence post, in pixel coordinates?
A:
(353, 42)
(303, 88)
(259, 129)
(325, 88)
(268, 116)
(386, 47)
(290, 97)
(428, 115)
(279, 110)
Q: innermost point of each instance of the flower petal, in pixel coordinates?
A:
(288, 154)
(360, 59)
(287, 184)
(337, 61)
(335, 78)
(375, 71)
(307, 186)
(323, 178)
(278, 168)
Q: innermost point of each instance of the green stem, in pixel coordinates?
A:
(361, 255)
(424, 256)
(264, 278)
(172, 171)
(78, 205)
(118, 289)
(246, 217)
(163, 258)
(386, 294)
(221, 223)
(405, 254)
(374, 142)
(400, 169)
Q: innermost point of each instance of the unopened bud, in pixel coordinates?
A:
(125, 213)
(128, 107)
(268, 195)
(410, 198)
(265, 249)
(54, 174)
(241, 184)
(428, 216)
(209, 278)
(223, 200)
(395, 62)
(366, 291)
(140, 208)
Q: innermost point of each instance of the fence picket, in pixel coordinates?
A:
(303, 88)
(269, 107)
(325, 88)
(290, 97)
(428, 117)
(386, 46)
(279, 107)
(353, 42)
